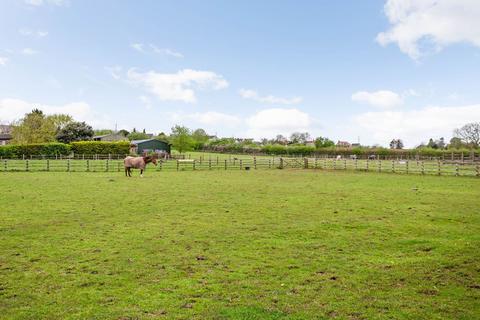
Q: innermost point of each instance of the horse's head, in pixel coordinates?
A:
(152, 159)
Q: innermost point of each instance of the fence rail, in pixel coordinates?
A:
(421, 167)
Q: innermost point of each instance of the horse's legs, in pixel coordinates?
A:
(129, 172)
(141, 173)
(126, 172)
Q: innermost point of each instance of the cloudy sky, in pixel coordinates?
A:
(370, 70)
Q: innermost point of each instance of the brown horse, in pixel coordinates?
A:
(138, 163)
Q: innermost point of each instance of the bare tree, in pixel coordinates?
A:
(469, 133)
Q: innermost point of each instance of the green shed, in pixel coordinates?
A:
(149, 145)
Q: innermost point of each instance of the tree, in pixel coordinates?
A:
(34, 127)
(469, 133)
(75, 131)
(162, 136)
(124, 132)
(60, 120)
(432, 144)
(280, 139)
(441, 143)
(396, 144)
(102, 132)
(200, 137)
(456, 143)
(299, 137)
(137, 136)
(181, 139)
(323, 142)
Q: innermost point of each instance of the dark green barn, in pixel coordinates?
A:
(149, 145)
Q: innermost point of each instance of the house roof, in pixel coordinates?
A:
(145, 140)
(5, 136)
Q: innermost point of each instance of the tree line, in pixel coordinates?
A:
(37, 127)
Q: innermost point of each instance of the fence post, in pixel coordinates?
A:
(68, 165)
(439, 170)
(281, 163)
(334, 164)
(407, 167)
(456, 168)
(269, 164)
(345, 164)
(423, 167)
(240, 164)
(88, 165)
(478, 170)
(316, 160)
(325, 163)
(305, 163)
(225, 164)
(118, 165)
(26, 165)
(209, 164)
(356, 164)
(217, 161)
(5, 165)
(367, 165)
(393, 166)
(178, 163)
(106, 164)
(379, 165)
(255, 163)
(48, 165)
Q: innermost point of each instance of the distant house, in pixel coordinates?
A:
(310, 143)
(355, 145)
(343, 144)
(5, 134)
(110, 137)
(149, 145)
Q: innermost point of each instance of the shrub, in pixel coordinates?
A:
(45, 149)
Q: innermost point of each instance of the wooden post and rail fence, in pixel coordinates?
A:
(421, 167)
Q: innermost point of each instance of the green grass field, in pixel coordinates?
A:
(266, 244)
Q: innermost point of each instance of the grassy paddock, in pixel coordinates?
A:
(271, 244)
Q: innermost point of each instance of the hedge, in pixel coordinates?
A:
(46, 149)
(100, 147)
(278, 149)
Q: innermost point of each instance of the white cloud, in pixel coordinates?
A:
(14, 109)
(177, 86)
(420, 24)
(269, 122)
(166, 51)
(211, 120)
(253, 95)
(29, 51)
(141, 47)
(3, 61)
(137, 46)
(37, 33)
(37, 3)
(382, 99)
(415, 126)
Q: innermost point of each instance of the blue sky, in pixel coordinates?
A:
(373, 70)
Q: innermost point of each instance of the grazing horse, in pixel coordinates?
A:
(137, 163)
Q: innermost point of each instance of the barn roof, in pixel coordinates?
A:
(136, 142)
